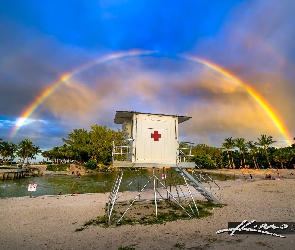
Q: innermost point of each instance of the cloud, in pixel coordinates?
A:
(254, 43)
(217, 104)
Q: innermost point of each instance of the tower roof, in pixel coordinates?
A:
(121, 116)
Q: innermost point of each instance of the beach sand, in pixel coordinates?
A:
(49, 222)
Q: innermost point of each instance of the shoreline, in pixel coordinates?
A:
(49, 222)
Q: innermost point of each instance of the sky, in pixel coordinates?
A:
(69, 64)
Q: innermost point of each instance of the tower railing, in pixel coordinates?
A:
(122, 150)
(185, 151)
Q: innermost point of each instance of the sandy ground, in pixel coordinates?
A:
(49, 222)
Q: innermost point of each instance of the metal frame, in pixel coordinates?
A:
(153, 179)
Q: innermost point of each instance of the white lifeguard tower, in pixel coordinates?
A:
(152, 141)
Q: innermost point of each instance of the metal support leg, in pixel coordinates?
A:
(155, 193)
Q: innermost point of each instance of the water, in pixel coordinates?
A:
(222, 177)
(68, 184)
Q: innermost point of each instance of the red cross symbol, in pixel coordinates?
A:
(156, 136)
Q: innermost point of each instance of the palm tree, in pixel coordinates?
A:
(264, 142)
(5, 148)
(55, 155)
(282, 155)
(36, 150)
(240, 144)
(253, 151)
(8, 149)
(27, 150)
(228, 145)
(12, 151)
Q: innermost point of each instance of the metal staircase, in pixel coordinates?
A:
(114, 194)
(202, 176)
(198, 176)
(197, 185)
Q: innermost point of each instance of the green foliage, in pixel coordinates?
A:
(26, 150)
(91, 164)
(228, 145)
(204, 161)
(207, 157)
(283, 156)
(264, 142)
(102, 143)
(57, 167)
(82, 145)
(130, 247)
(179, 245)
(8, 149)
(97, 144)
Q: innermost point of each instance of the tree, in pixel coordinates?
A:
(8, 149)
(264, 142)
(206, 156)
(54, 154)
(5, 150)
(36, 150)
(1, 146)
(26, 150)
(66, 152)
(284, 156)
(102, 139)
(241, 145)
(253, 151)
(228, 145)
(79, 143)
(281, 156)
(12, 151)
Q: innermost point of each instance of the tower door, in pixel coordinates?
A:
(156, 141)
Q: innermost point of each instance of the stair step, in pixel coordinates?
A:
(197, 185)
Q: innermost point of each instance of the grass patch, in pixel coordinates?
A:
(179, 245)
(147, 216)
(130, 247)
(58, 167)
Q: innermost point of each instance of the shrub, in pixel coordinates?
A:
(91, 164)
(58, 167)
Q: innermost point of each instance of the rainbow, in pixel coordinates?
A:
(48, 91)
(258, 98)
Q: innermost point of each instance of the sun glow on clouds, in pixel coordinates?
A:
(23, 121)
(65, 77)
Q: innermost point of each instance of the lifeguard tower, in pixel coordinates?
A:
(151, 141)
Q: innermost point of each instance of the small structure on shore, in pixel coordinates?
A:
(151, 142)
(10, 172)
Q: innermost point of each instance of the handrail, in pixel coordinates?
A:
(185, 151)
(123, 151)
